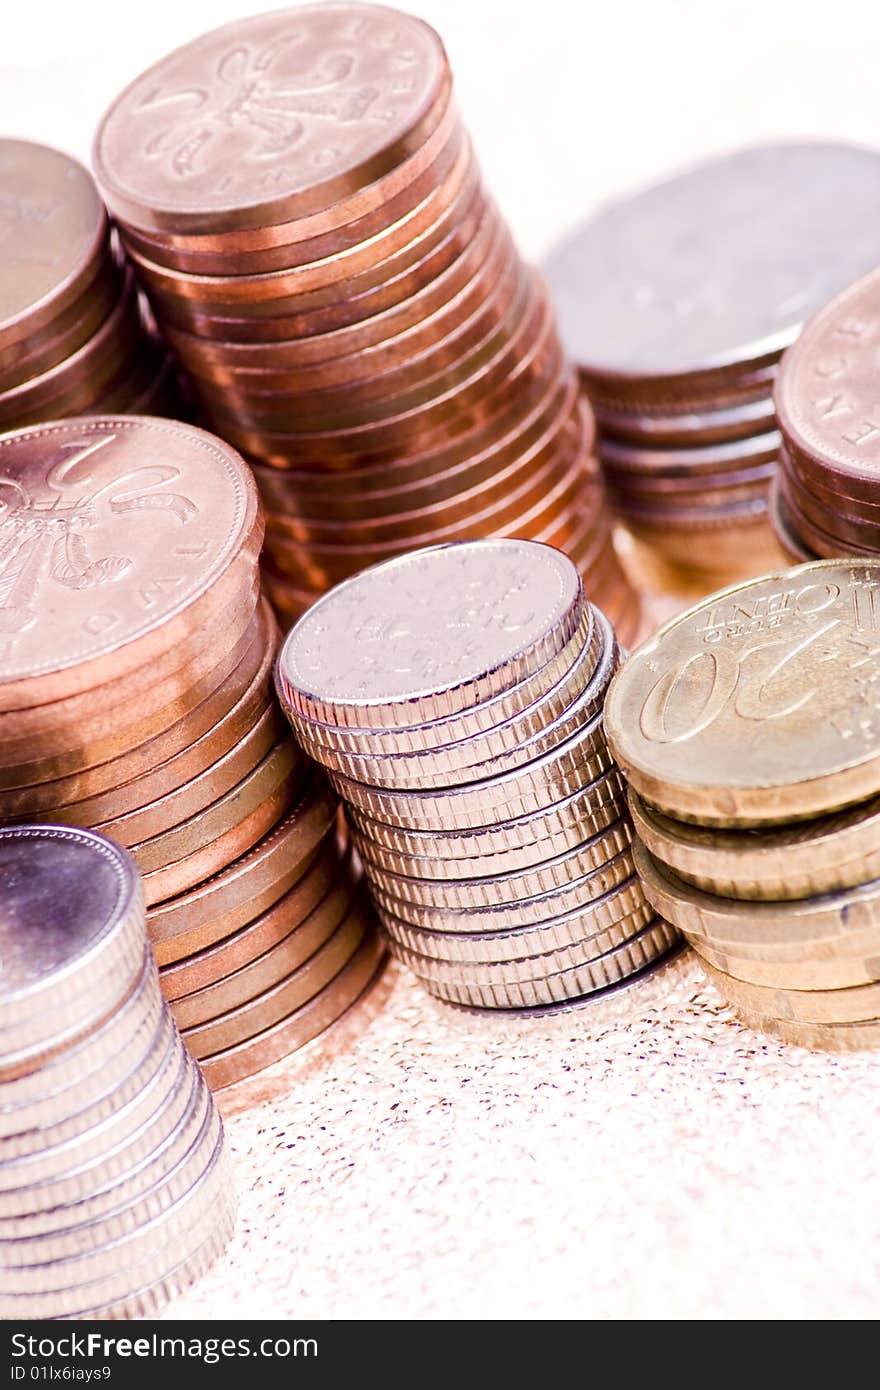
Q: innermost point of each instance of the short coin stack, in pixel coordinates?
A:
(72, 340)
(748, 730)
(136, 699)
(677, 303)
(456, 696)
(317, 246)
(115, 1189)
(827, 501)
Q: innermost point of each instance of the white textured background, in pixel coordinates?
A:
(647, 1157)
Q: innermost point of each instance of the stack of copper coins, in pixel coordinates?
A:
(455, 697)
(318, 248)
(136, 699)
(826, 501)
(677, 304)
(72, 338)
(115, 1189)
(748, 730)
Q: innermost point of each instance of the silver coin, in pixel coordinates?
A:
(646, 946)
(510, 844)
(521, 739)
(720, 264)
(430, 633)
(514, 943)
(574, 871)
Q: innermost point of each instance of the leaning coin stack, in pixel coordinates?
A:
(455, 697)
(748, 730)
(827, 501)
(72, 339)
(318, 248)
(115, 1188)
(136, 699)
(677, 304)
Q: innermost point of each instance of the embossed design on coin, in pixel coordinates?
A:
(759, 704)
(267, 107)
(107, 528)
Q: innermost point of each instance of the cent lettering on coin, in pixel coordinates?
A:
(109, 527)
(759, 704)
(721, 263)
(269, 108)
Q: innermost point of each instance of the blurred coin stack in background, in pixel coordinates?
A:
(136, 699)
(826, 501)
(677, 303)
(73, 340)
(748, 731)
(319, 250)
(115, 1188)
(455, 697)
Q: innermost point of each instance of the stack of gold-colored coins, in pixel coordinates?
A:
(826, 502)
(455, 696)
(136, 699)
(317, 246)
(677, 303)
(115, 1189)
(72, 339)
(748, 730)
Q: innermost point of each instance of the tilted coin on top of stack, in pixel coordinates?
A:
(455, 697)
(827, 500)
(136, 699)
(115, 1189)
(318, 248)
(72, 337)
(748, 729)
(677, 303)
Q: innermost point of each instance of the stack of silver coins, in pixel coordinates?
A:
(115, 1191)
(455, 697)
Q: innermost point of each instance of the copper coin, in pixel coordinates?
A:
(206, 355)
(196, 973)
(784, 528)
(827, 494)
(672, 284)
(306, 1023)
(220, 905)
(54, 233)
(169, 754)
(295, 243)
(89, 487)
(816, 538)
(176, 860)
(835, 520)
(327, 98)
(65, 335)
(712, 459)
(228, 1001)
(706, 426)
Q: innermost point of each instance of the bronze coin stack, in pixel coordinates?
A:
(136, 699)
(455, 697)
(319, 250)
(748, 731)
(73, 340)
(677, 302)
(826, 501)
(115, 1188)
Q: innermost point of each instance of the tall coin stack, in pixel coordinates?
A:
(827, 501)
(115, 1189)
(455, 697)
(72, 338)
(136, 699)
(319, 250)
(748, 730)
(677, 303)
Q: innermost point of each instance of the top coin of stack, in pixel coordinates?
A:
(456, 698)
(317, 246)
(114, 1183)
(747, 728)
(827, 502)
(72, 340)
(677, 303)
